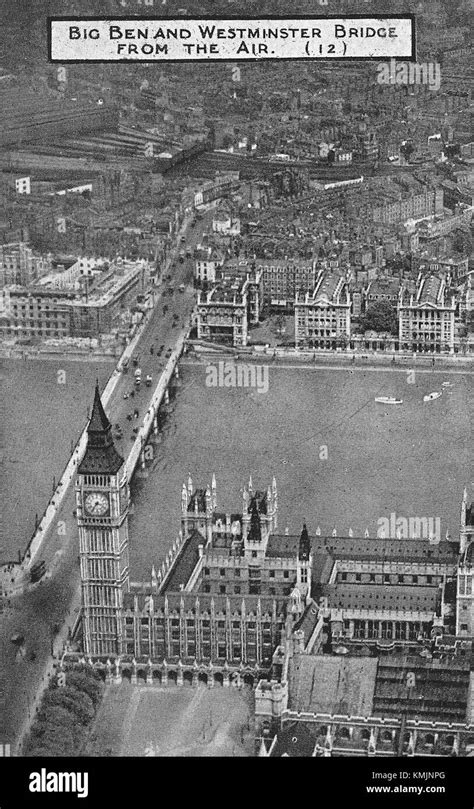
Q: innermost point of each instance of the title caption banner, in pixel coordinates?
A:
(178, 40)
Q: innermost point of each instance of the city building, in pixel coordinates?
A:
(225, 223)
(19, 265)
(221, 313)
(207, 261)
(283, 278)
(415, 206)
(323, 316)
(54, 308)
(383, 289)
(427, 318)
(225, 312)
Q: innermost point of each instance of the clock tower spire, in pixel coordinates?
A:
(100, 457)
(102, 505)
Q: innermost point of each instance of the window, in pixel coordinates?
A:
(237, 589)
(207, 588)
(206, 571)
(285, 574)
(222, 571)
(222, 589)
(272, 574)
(254, 554)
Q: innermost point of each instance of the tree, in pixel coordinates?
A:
(73, 700)
(380, 317)
(61, 719)
(87, 682)
(60, 742)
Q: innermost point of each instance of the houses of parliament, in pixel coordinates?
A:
(353, 645)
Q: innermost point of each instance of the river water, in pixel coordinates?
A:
(339, 459)
(45, 405)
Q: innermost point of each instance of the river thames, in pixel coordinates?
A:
(45, 404)
(340, 459)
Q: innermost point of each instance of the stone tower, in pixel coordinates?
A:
(102, 506)
(465, 575)
(259, 518)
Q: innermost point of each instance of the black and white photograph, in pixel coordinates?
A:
(237, 433)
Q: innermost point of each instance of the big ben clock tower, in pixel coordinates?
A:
(102, 502)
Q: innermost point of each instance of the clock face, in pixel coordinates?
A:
(96, 504)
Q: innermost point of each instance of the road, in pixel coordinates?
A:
(44, 612)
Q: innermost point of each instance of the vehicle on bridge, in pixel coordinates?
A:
(125, 365)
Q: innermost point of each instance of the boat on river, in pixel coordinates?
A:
(390, 400)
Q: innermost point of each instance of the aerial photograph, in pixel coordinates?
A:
(237, 355)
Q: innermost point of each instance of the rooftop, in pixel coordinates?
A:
(332, 685)
(404, 598)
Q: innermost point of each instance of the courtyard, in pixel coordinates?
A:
(156, 720)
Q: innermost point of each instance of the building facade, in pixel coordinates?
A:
(102, 505)
(323, 317)
(427, 319)
(20, 266)
(283, 278)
